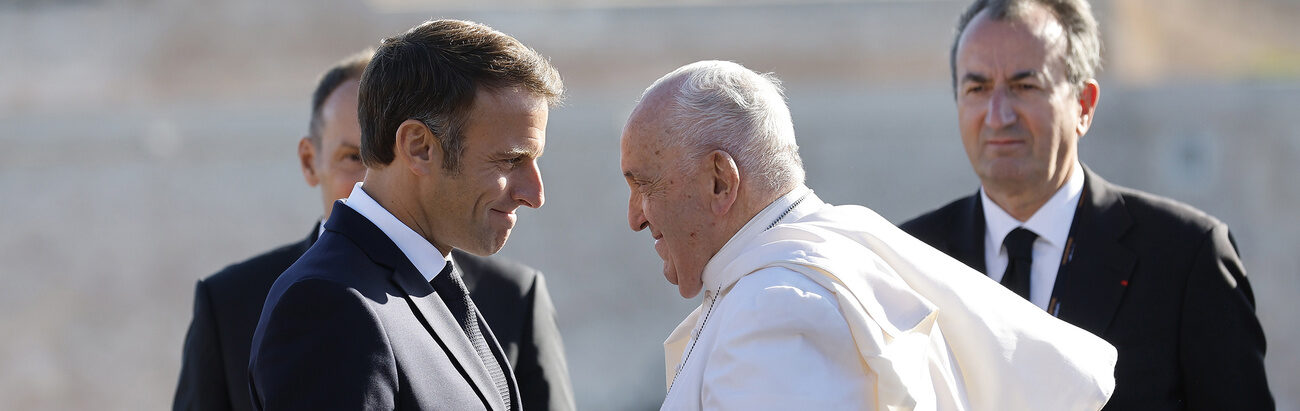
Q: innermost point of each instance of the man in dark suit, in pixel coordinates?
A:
(375, 315)
(1159, 280)
(512, 298)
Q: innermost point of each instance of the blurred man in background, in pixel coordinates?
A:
(513, 298)
(810, 306)
(1160, 280)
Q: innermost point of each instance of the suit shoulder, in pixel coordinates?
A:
(497, 273)
(934, 224)
(333, 258)
(260, 270)
(333, 264)
(1155, 210)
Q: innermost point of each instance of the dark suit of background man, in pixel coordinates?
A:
(1160, 280)
(513, 298)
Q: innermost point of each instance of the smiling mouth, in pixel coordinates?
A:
(510, 215)
(659, 245)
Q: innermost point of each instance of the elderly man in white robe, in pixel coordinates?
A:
(812, 306)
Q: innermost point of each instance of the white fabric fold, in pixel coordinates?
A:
(936, 334)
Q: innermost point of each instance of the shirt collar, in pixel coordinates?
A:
(1051, 222)
(789, 207)
(423, 255)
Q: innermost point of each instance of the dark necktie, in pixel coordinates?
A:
(456, 296)
(1020, 256)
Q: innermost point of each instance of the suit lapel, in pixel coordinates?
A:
(426, 304)
(442, 324)
(966, 241)
(1091, 284)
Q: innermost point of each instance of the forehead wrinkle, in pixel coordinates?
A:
(644, 134)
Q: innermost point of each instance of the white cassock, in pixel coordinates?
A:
(813, 306)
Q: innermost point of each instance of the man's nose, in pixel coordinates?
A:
(1001, 112)
(528, 189)
(635, 217)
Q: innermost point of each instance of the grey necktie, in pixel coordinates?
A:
(1020, 256)
(456, 296)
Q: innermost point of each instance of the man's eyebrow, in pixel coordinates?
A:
(349, 145)
(978, 78)
(520, 152)
(1024, 74)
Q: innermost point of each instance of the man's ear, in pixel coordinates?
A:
(307, 160)
(1089, 95)
(418, 147)
(726, 181)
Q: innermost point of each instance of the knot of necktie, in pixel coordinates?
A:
(1020, 244)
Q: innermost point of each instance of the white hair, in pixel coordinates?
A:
(721, 105)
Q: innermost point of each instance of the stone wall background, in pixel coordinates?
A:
(145, 144)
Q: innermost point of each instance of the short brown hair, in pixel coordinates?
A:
(432, 73)
(1083, 39)
(347, 69)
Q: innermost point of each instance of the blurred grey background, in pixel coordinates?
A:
(147, 143)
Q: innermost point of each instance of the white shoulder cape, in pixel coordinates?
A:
(991, 350)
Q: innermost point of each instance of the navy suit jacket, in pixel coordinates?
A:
(1159, 280)
(354, 325)
(513, 299)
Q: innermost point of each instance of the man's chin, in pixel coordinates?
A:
(689, 288)
(487, 248)
(689, 291)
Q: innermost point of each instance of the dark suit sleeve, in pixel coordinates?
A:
(322, 348)
(202, 383)
(1223, 345)
(542, 370)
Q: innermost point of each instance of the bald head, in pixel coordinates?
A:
(651, 120)
(721, 105)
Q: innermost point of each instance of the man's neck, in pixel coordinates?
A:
(1021, 206)
(389, 194)
(1022, 202)
(748, 207)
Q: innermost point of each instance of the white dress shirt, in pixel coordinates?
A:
(1052, 224)
(426, 258)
